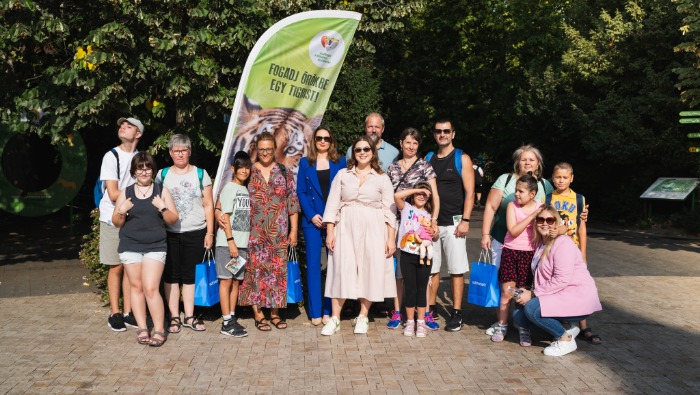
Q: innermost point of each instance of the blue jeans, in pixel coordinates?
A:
(531, 313)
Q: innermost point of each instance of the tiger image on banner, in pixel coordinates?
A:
(291, 128)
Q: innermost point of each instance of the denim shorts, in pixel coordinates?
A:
(129, 257)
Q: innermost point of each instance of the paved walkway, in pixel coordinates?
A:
(54, 338)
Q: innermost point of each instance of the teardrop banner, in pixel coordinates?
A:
(694, 135)
(285, 86)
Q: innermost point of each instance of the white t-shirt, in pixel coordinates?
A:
(108, 171)
(188, 199)
(235, 201)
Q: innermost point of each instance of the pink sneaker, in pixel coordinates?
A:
(409, 328)
(422, 330)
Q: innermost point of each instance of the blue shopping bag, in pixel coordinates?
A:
(294, 292)
(206, 283)
(484, 289)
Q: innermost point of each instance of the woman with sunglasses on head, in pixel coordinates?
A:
(273, 229)
(141, 212)
(316, 172)
(405, 173)
(563, 291)
(360, 236)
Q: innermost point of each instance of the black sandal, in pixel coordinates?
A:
(279, 324)
(587, 335)
(262, 325)
(194, 323)
(175, 322)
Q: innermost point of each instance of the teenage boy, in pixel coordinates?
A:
(116, 164)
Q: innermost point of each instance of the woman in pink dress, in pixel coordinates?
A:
(361, 236)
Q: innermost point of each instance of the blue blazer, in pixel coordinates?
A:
(309, 190)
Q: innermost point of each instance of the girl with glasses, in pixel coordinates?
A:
(316, 172)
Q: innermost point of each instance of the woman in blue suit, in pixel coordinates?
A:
(316, 172)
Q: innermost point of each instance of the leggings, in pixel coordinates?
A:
(415, 279)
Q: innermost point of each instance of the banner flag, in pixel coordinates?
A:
(285, 86)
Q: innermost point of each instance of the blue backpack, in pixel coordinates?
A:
(200, 175)
(458, 159)
(579, 205)
(100, 187)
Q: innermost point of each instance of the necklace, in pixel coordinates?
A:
(143, 194)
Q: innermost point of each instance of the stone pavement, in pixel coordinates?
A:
(55, 339)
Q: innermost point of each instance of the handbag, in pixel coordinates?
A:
(484, 289)
(294, 291)
(206, 283)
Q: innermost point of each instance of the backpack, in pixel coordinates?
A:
(458, 159)
(200, 175)
(100, 186)
(579, 205)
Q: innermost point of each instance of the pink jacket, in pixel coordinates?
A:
(563, 284)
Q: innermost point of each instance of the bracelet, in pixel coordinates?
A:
(465, 219)
(210, 234)
(229, 239)
(217, 208)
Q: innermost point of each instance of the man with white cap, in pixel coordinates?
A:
(115, 174)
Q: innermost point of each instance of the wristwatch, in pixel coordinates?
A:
(465, 219)
(163, 209)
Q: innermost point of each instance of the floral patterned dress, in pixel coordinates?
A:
(271, 204)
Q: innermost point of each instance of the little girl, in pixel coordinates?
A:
(232, 240)
(415, 275)
(517, 253)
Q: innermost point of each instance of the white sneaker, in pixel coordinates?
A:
(573, 330)
(492, 329)
(331, 327)
(409, 328)
(559, 348)
(362, 325)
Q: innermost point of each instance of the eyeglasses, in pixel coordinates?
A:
(443, 131)
(363, 149)
(548, 220)
(144, 171)
(181, 151)
(323, 138)
(265, 150)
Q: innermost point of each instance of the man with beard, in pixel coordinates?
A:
(374, 127)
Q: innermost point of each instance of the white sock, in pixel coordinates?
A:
(233, 314)
(227, 317)
(420, 322)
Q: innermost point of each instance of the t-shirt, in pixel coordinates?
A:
(410, 226)
(235, 201)
(188, 199)
(420, 171)
(108, 171)
(499, 228)
(568, 211)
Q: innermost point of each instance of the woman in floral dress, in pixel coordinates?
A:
(273, 213)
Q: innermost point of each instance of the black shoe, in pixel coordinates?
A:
(454, 324)
(116, 322)
(233, 328)
(130, 320)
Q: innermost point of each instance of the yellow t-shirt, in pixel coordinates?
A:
(566, 205)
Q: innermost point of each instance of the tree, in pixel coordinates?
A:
(689, 73)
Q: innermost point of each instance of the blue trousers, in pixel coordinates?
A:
(317, 304)
(531, 313)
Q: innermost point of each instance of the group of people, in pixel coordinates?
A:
(387, 219)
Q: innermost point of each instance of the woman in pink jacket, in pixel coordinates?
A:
(564, 290)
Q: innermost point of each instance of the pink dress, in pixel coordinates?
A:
(358, 267)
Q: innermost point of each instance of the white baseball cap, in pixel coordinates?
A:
(132, 121)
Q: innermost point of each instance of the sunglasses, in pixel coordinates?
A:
(443, 131)
(548, 220)
(323, 138)
(363, 149)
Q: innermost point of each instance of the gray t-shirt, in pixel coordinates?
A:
(235, 201)
(188, 199)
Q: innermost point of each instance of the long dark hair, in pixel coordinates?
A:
(332, 150)
(374, 162)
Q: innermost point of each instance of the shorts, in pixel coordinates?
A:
(128, 257)
(516, 267)
(109, 243)
(185, 251)
(223, 257)
(452, 249)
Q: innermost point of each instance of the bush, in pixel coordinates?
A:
(90, 256)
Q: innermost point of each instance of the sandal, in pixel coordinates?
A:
(143, 339)
(175, 322)
(587, 335)
(262, 325)
(279, 323)
(193, 325)
(158, 342)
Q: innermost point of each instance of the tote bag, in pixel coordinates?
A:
(206, 284)
(294, 292)
(484, 289)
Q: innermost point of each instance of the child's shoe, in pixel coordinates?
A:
(409, 329)
(499, 333)
(430, 322)
(395, 320)
(421, 330)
